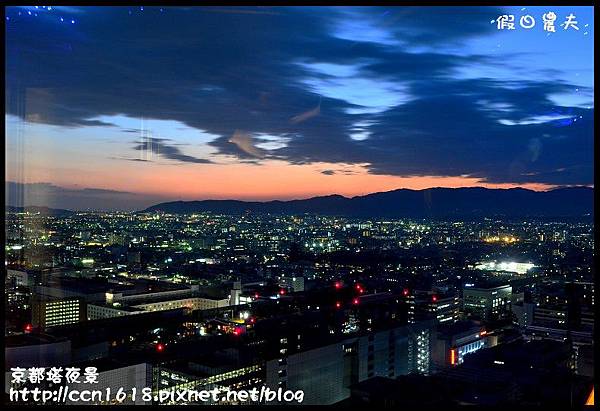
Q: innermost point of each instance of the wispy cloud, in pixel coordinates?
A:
(163, 148)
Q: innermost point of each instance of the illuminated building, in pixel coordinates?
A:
(510, 266)
(222, 372)
(453, 342)
(487, 303)
(47, 313)
(116, 305)
(440, 305)
(419, 352)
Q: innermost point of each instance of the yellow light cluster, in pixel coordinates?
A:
(499, 239)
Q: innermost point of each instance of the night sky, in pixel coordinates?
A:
(123, 107)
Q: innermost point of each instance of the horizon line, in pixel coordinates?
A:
(562, 187)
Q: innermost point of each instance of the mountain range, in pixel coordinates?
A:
(431, 202)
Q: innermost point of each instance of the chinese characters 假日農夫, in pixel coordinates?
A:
(527, 21)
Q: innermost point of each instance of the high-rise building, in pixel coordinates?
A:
(487, 303)
(326, 373)
(441, 305)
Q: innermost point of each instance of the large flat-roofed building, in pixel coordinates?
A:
(191, 303)
(98, 289)
(122, 307)
(116, 298)
(99, 311)
(487, 303)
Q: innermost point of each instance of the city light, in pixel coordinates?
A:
(510, 266)
(501, 239)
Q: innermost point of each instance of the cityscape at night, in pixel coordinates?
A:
(350, 206)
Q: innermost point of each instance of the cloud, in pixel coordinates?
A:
(391, 96)
(246, 144)
(161, 147)
(306, 115)
(414, 25)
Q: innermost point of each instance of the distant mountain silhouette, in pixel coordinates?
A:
(432, 202)
(42, 210)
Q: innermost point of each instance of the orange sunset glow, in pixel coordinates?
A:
(274, 180)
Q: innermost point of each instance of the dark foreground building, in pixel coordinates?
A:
(537, 373)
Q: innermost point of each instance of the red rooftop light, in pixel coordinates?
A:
(256, 295)
(338, 285)
(282, 292)
(434, 298)
(338, 304)
(405, 292)
(28, 328)
(355, 301)
(160, 347)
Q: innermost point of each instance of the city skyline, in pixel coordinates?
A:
(134, 106)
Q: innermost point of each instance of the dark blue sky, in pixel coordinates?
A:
(262, 102)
